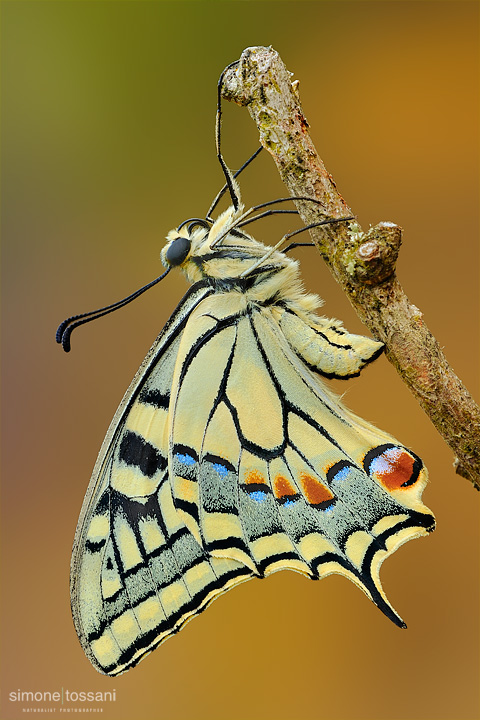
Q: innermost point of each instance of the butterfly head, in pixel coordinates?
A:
(216, 249)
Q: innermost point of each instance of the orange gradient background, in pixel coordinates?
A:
(108, 142)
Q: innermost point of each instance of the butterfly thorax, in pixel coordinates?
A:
(229, 259)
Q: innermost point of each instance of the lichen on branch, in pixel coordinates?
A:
(362, 262)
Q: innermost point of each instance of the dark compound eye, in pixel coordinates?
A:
(177, 251)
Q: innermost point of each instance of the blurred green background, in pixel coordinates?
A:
(108, 142)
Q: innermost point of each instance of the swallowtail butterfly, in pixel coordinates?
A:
(228, 458)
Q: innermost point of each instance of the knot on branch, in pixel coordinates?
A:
(369, 258)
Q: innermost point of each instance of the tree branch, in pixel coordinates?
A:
(363, 263)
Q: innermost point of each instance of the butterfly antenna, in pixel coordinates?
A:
(222, 192)
(226, 170)
(66, 328)
(267, 213)
(294, 245)
(271, 250)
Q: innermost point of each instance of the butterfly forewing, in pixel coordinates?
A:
(138, 574)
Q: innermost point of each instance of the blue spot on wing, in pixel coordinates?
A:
(221, 469)
(340, 471)
(185, 459)
(259, 496)
(343, 474)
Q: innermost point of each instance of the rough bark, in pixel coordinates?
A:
(362, 262)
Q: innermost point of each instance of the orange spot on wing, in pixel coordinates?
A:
(254, 477)
(315, 491)
(283, 487)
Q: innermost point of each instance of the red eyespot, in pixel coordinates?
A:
(393, 466)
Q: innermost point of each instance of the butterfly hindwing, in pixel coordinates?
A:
(278, 475)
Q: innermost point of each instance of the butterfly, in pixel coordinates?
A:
(228, 457)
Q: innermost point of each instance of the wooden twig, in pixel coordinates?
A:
(362, 262)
